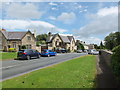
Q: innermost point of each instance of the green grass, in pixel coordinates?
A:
(8, 55)
(76, 73)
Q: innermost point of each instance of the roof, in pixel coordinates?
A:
(13, 35)
(49, 39)
(70, 38)
(66, 39)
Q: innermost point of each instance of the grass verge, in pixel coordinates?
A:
(8, 55)
(76, 73)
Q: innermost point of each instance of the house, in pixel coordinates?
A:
(16, 40)
(57, 41)
(86, 46)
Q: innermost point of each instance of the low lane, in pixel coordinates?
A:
(17, 67)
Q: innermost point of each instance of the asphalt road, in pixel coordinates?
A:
(15, 68)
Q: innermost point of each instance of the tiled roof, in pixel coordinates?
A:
(13, 35)
(70, 38)
(66, 39)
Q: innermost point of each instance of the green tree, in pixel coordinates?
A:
(80, 46)
(96, 46)
(101, 45)
(112, 40)
(41, 39)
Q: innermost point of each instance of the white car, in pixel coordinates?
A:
(93, 52)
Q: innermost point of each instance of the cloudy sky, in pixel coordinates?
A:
(87, 21)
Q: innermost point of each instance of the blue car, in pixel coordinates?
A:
(47, 52)
(28, 54)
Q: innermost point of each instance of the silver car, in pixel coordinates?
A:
(93, 52)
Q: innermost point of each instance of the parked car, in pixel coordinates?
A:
(93, 52)
(79, 51)
(62, 50)
(47, 52)
(28, 54)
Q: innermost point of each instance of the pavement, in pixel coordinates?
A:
(14, 68)
(105, 78)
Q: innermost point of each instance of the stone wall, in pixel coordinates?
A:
(106, 55)
(31, 42)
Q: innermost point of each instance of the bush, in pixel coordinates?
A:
(11, 49)
(23, 47)
(115, 61)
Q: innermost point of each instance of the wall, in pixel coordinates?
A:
(32, 42)
(38, 48)
(107, 56)
(3, 42)
(0, 40)
(17, 44)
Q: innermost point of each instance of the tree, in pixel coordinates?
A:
(80, 46)
(101, 45)
(41, 39)
(112, 40)
(96, 46)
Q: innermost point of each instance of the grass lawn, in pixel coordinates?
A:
(76, 73)
(8, 55)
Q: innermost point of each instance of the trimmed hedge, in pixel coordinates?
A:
(115, 61)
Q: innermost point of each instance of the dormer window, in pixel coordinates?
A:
(28, 37)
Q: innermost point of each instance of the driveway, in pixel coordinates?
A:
(15, 68)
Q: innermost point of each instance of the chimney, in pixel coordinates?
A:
(2, 29)
(35, 33)
(49, 34)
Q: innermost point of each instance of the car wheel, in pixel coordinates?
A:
(28, 57)
(48, 55)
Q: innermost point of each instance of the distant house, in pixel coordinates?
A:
(57, 41)
(86, 46)
(17, 40)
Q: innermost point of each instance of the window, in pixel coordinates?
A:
(28, 37)
(60, 43)
(28, 46)
(57, 42)
(14, 44)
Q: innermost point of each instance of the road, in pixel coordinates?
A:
(15, 68)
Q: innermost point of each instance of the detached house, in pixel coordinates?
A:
(86, 46)
(56, 41)
(17, 40)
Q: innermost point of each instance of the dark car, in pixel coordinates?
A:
(47, 52)
(28, 54)
(62, 50)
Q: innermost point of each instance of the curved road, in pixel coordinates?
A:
(15, 68)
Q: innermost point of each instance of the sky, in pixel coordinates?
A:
(86, 21)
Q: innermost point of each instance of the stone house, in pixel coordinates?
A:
(57, 41)
(86, 46)
(17, 40)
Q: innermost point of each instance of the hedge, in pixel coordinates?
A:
(115, 61)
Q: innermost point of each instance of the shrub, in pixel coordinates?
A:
(115, 61)
(23, 47)
(11, 49)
